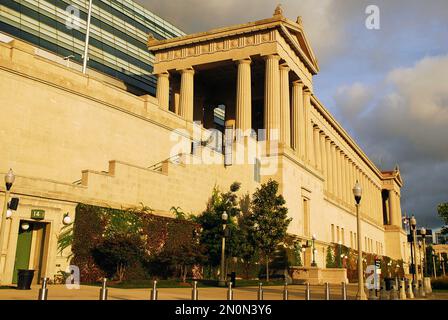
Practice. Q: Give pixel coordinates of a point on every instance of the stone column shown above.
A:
(348, 180)
(244, 97)
(285, 107)
(186, 94)
(323, 156)
(340, 190)
(308, 127)
(316, 146)
(272, 98)
(334, 161)
(399, 215)
(343, 178)
(392, 208)
(297, 108)
(163, 90)
(329, 176)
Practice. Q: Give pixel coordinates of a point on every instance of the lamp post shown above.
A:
(423, 234)
(357, 193)
(313, 263)
(413, 225)
(9, 181)
(340, 254)
(222, 278)
(420, 248)
(442, 261)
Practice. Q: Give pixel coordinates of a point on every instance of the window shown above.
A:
(337, 234)
(306, 217)
(332, 233)
(342, 236)
(351, 239)
(257, 168)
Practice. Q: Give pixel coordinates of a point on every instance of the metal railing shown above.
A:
(405, 290)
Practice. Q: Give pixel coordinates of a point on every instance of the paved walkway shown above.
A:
(296, 292)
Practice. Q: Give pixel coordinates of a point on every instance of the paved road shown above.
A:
(296, 292)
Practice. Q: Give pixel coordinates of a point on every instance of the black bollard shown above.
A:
(154, 293)
(285, 292)
(260, 292)
(43, 292)
(194, 292)
(230, 292)
(327, 291)
(344, 291)
(103, 290)
(307, 292)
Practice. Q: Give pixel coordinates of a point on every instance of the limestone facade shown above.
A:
(72, 138)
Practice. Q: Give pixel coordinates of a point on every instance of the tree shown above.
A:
(211, 223)
(330, 259)
(183, 258)
(245, 249)
(115, 254)
(269, 220)
(443, 213)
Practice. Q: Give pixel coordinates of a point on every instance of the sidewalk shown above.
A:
(296, 292)
(60, 292)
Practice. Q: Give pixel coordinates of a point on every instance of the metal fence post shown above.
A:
(421, 290)
(260, 291)
(154, 293)
(103, 290)
(230, 292)
(344, 291)
(327, 291)
(410, 293)
(307, 292)
(402, 290)
(383, 291)
(194, 292)
(285, 292)
(43, 292)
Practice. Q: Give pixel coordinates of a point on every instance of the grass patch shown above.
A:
(147, 284)
(7, 287)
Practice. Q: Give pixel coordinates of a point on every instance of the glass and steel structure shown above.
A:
(118, 36)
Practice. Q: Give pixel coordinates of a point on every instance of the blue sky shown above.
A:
(388, 87)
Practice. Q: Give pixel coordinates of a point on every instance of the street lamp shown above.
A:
(413, 225)
(314, 264)
(222, 278)
(357, 193)
(9, 181)
(423, 234)
(340, 254)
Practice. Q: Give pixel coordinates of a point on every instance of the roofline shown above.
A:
(344, 134)
(270, 23)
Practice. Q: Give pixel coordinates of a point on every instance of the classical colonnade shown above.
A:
(288, 120)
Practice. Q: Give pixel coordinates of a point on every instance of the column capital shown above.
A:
(272, 56)
(164, 74)
(298, 83)
(188, 71)
(247, 60)
(307, 92)
(284, 67)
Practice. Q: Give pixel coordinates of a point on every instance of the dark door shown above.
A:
(23, 251)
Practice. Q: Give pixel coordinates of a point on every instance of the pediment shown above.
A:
(235, 37)
(297, 37)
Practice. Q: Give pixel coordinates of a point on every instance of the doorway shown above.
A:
(31, 247)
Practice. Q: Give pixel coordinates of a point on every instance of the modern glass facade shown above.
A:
(118, 37)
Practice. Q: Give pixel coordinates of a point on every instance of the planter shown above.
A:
(24, 279)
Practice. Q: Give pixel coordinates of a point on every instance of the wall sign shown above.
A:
(37, 214)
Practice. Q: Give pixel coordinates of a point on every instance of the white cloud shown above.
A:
(406, 124)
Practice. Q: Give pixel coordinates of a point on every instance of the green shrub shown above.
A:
(440, 283)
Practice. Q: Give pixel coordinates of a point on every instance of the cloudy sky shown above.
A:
(388, 87)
